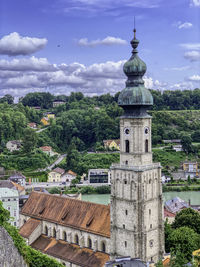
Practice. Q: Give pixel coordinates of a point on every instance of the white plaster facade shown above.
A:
(136, 195)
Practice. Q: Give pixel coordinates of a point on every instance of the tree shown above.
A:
(72, 157)
(7, 98)
(186, 143)
(29, 140)
(4, 214)
(188, 218)
(168, 231)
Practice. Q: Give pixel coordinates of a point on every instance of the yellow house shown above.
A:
(56, 175)
(45, 121)
(196, 257)
(51, 116)
(112, 144)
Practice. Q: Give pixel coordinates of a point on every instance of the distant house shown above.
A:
(13, 145)
(176, 141)
(175, 205)
(57, 103)
(99, 176)
(45, 121)
(178, 148)
(168, 215)
(50, 115)
(112, 144)
(48, 150)
(9, 195)
(32, 125)
(55, 175)
(190, 169)
(18, 178)
(69, 176)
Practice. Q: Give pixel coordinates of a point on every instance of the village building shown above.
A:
(45, 121)
(18, 178)
(9, 195)
(69, 176)
(14, 145)
(57, 103)
(99, 176)
(112, 144)
(74, 232)
(47, 150)
(32, 125)
(56, 175)
(191, 169)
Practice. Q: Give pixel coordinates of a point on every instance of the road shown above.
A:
(59, 159)
(41, 130)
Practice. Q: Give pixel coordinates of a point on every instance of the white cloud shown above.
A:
(27, 64)
(192, 55)
(195, 78)
(183, 25)
(109, 40)
(178, 68)
(14, 44)
(191, 46)
(195, 3)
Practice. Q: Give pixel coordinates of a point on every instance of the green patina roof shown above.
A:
(135, 93)
(135, 96)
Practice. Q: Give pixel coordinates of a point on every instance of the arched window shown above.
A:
(103, 247)
(89, 243)
(46, 230)
(54, 232)
(76, 240)
(64, 236)
(146, 146)
(127, 146)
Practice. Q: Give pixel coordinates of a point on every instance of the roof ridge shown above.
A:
(76, 200)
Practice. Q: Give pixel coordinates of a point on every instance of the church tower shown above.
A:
(136, 193)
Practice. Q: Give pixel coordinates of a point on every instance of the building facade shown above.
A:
(99, 176)
(136, 192)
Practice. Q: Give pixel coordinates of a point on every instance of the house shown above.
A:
(48, 150)
(57, 103)
(13, 145)
(175, 205)
(168, 215)
(45, 121)
(112, 144)
(126, 262)
(32, 125)
(49, 115)
(69, 176)
(9, 195)
(176, 141)
(178, 148)
(190, 169)
(37, 108)
(56, 175)
(75, 232)
(99, 176)
(18, 178)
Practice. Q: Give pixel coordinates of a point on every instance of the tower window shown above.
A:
(126, 162)
(46, 230)
(149, 212)
(89, 243)
(146, 146)
(76, 240)
(127, 146)
(125, 182)
(103, 247)
(151, 226)
(54, 232)
(125, 244)
(64, 236)
(126, 212)
(123, 226)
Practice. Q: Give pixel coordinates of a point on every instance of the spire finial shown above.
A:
(134, 29)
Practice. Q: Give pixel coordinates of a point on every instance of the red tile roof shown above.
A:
(168, 213)
(46, 148)
(72, 173)
(82, 215)
(83, 257)
(27, 229)
(59, 170)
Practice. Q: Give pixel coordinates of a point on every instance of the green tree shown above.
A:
(168, 231)
(29, 140)
(186, 239)
(186, 142)
(189, 218)
(4, 214)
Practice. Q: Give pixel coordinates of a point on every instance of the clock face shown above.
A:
(146, 130)
(126, 131)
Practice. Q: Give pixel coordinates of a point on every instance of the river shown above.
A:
(194, 197)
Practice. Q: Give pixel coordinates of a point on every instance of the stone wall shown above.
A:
(9, 255)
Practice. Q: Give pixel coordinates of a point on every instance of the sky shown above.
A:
(64, 46)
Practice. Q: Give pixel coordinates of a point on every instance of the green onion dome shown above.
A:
(135, 94)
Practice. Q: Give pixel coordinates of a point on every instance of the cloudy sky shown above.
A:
(81, 45)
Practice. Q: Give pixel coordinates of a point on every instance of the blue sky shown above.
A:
(81, 45)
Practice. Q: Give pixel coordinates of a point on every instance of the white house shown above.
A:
(18, 178)
(9, 195)
(13, 145)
